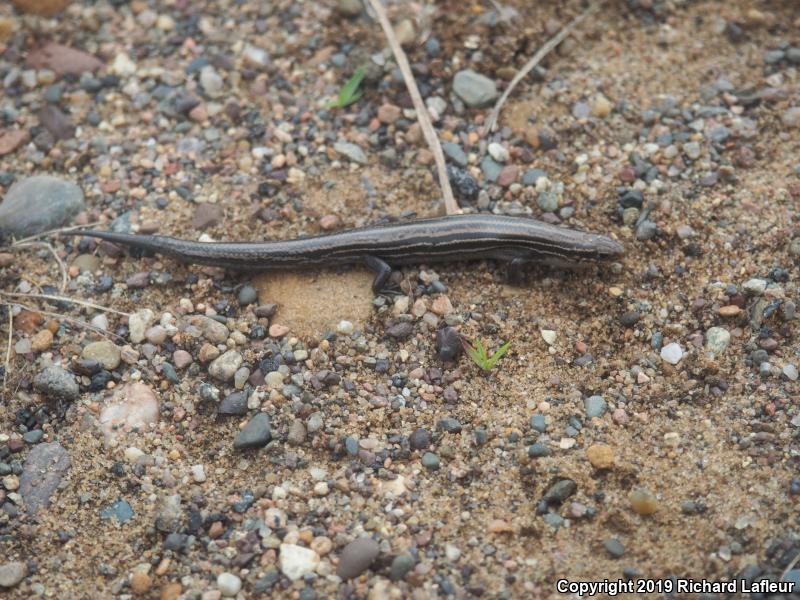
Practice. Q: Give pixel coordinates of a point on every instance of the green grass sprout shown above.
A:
(350, 91)
(477, 352)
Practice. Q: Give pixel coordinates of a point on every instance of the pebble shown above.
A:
(614, 547)
(672, 353)
(755, 286)
(430, 461)
(41, 341)
(12, 573)
(224, 367)
(207, 215)
(234, 404)
(63, 60)
(717, 339)
(791, 117)
(198, 473)
(601, 456)
(134, 406)
(349, 8)
(138, 323)
(420, 439)
(56, 383)
(560, 491)
(247, 295)
(474, 89)
(595, 406)
(351, 151)
(211, 329)
(388, 113)
(498, 152)
(211, 81)
(401, 566)
(643, 502)
(277, 330)
(357, 557)
(39, 203)
(105, 352)
(454, 152)
(256, 434)
(790, 372)
(297, 561)
(297, 433)
(141, 583)
(228, 584)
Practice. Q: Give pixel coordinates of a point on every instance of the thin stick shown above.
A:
(423, 118)
(65, 299)
(7, 366)
(76, 322)
(52, 250)
(52, 232)
(548, 47)
(789, 567)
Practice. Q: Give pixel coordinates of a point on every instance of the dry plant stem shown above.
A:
(8, 346)
(65, 299)
(53, 232)
(548, 47)
(52, 250)
(76, 322)
(419, 106)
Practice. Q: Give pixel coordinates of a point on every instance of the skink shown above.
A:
(518, 240)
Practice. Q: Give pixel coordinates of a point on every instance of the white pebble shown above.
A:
(672, 353)
(344, 327)
(498, 152)
(198, 473)
(228, 584)
(549, 336)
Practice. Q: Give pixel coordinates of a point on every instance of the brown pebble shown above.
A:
(643, 502)
(329, 222)
(11, 140)
(601, 456)
(278, 331)
(41, 8)
(729, 311)
(441, 306)
(388, 113)
(61, 59)
(216, 530)
(207, 215)
(42, 341)
(141, 583)
(6, 258)
(171, 591)
(508, 175)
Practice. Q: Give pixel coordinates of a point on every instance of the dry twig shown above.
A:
(65, 299)
(50, 232)
(548, 47)
(419, 106)
(8, 347)
(75, 322)
(61, 266)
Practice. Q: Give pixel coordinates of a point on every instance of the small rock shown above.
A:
(234, 404)
(356, 557)
(790, 372)
(138, 323)
(278, 331)
(63, 60)
(225, 366)
(401, 566)
(430, 461)
(498, 152)
(256, 434)
(38, 204)
(141, 583)
(560, 491)
(672, 353)
(755, 286)
(247, 295)
(207, 215)
(228, 584)
(473, 88)
(56, 383)
(448, 344)
(211, 329)
(643, 502)
(601, 456)
(41, 341)
(41, 475)
(388, 113)
(12, 573)
(56, 122)
(351, 151)
(297, 561)
(595, 406)
(717, 339)
(614, 548)
(104, 352)
(133, 406)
